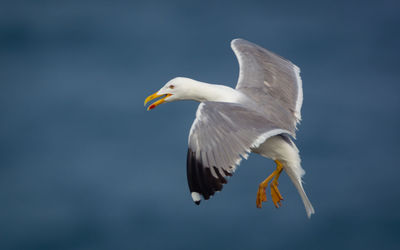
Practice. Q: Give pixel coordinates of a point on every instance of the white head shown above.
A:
(179, 88)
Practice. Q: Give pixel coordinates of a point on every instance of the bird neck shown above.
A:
(201, 92)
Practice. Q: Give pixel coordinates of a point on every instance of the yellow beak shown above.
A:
(154, 96)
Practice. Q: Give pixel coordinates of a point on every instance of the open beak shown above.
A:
(154, 96)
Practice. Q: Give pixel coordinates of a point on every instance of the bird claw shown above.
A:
(261, 196)
(276, 195)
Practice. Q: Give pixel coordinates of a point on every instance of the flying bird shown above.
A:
(258, 116)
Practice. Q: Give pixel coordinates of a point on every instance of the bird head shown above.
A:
(175, 89)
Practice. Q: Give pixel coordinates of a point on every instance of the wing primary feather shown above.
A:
(217, 185)
(221, 178)
(226, 172)
(212, 163)
(192, 174)
(200, 177)
(207, 177)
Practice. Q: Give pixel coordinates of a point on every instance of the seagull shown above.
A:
(258, 116)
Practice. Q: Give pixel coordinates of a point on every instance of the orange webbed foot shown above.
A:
(261, 196)
(276, 195)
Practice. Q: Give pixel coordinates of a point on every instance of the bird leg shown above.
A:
(275, 194)
(261, 194)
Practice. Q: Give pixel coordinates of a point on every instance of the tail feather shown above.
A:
(297, 183)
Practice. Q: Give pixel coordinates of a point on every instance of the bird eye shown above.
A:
(171, 86)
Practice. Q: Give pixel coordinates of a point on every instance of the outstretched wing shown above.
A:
(268, 78)
(221, 134)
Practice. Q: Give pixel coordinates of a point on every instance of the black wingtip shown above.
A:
(200, 178)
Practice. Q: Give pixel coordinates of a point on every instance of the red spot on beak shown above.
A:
(152, 106)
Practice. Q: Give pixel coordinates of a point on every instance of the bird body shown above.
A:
(259, 116)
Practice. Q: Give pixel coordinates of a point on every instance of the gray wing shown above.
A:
(269, 79)
(221, 134)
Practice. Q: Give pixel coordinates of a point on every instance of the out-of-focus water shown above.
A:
(84, 166)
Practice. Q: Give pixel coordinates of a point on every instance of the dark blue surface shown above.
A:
(84, 166)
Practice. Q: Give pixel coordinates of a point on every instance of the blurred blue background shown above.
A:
(84, 166)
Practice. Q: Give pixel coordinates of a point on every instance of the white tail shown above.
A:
(296, 179)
